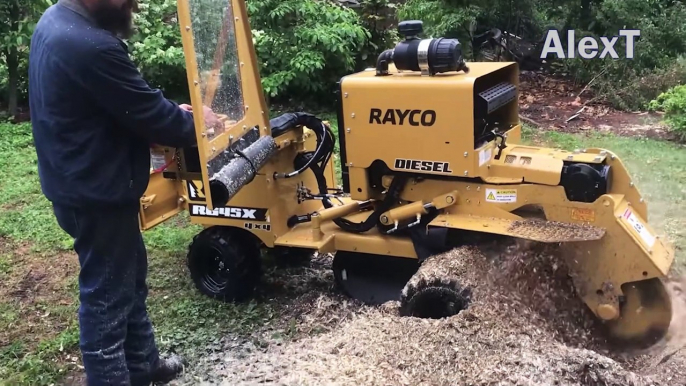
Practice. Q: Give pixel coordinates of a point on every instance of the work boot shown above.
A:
(167, 370)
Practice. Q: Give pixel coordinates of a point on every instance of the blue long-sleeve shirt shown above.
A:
(94, 117)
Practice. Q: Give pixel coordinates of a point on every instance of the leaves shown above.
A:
(304, 47)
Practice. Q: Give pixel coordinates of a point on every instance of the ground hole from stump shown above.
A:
(437, 303)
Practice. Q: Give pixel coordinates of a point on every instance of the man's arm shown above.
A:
(120, 89)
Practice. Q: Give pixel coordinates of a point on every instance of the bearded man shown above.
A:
(94, 119)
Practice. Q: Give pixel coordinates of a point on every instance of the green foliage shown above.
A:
(377, 17)
(657, 65)
(463, 19)
(17, 21)
(442, 18)
(304, 46)
(157, 48)
(673, 103)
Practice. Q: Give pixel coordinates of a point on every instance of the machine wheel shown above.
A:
(645, 315)
(225, 263)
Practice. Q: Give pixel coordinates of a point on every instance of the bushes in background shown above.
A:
(304, 47)
(673, 104)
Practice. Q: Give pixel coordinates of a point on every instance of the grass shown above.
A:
(39, 296)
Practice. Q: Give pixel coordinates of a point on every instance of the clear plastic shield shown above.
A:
(224, 81)
(216, 55)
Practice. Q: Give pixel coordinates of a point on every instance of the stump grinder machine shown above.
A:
(430, 156)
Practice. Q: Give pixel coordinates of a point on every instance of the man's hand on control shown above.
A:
(212, 122)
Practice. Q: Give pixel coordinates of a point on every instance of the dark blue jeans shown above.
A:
(116, 336)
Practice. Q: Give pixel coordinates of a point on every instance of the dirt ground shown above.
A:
(559, 105)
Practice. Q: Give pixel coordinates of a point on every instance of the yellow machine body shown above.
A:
(460, 152)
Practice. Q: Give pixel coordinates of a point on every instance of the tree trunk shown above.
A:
(13, 81)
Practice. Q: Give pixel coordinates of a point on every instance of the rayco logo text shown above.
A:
(401, 117)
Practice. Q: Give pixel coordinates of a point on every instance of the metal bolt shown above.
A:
(347, 130)
(384, 219)
(345, 95)
(612, 157)
(203, 134)
(450, 199)
(352, 115)
(466, 154)
(468, 188)
(641, 200)
(195, 82)
(188, 28)
(466, 173)
(242, 64)
(230, 138)
(214, 150)
(631, 184)
(181, 199)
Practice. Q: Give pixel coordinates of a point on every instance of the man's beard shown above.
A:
(116, 20)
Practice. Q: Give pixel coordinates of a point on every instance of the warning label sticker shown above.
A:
(639, 227)
(501, 195)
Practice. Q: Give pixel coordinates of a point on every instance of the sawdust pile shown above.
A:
(524, 326)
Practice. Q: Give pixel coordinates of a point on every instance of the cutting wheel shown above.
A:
(645, 314)
(372, 279)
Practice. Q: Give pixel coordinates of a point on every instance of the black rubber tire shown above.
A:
(225, 263)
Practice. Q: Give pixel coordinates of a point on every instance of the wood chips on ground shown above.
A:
(524, 326)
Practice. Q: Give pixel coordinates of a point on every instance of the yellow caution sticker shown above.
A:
(501, 195)
(583, 214)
